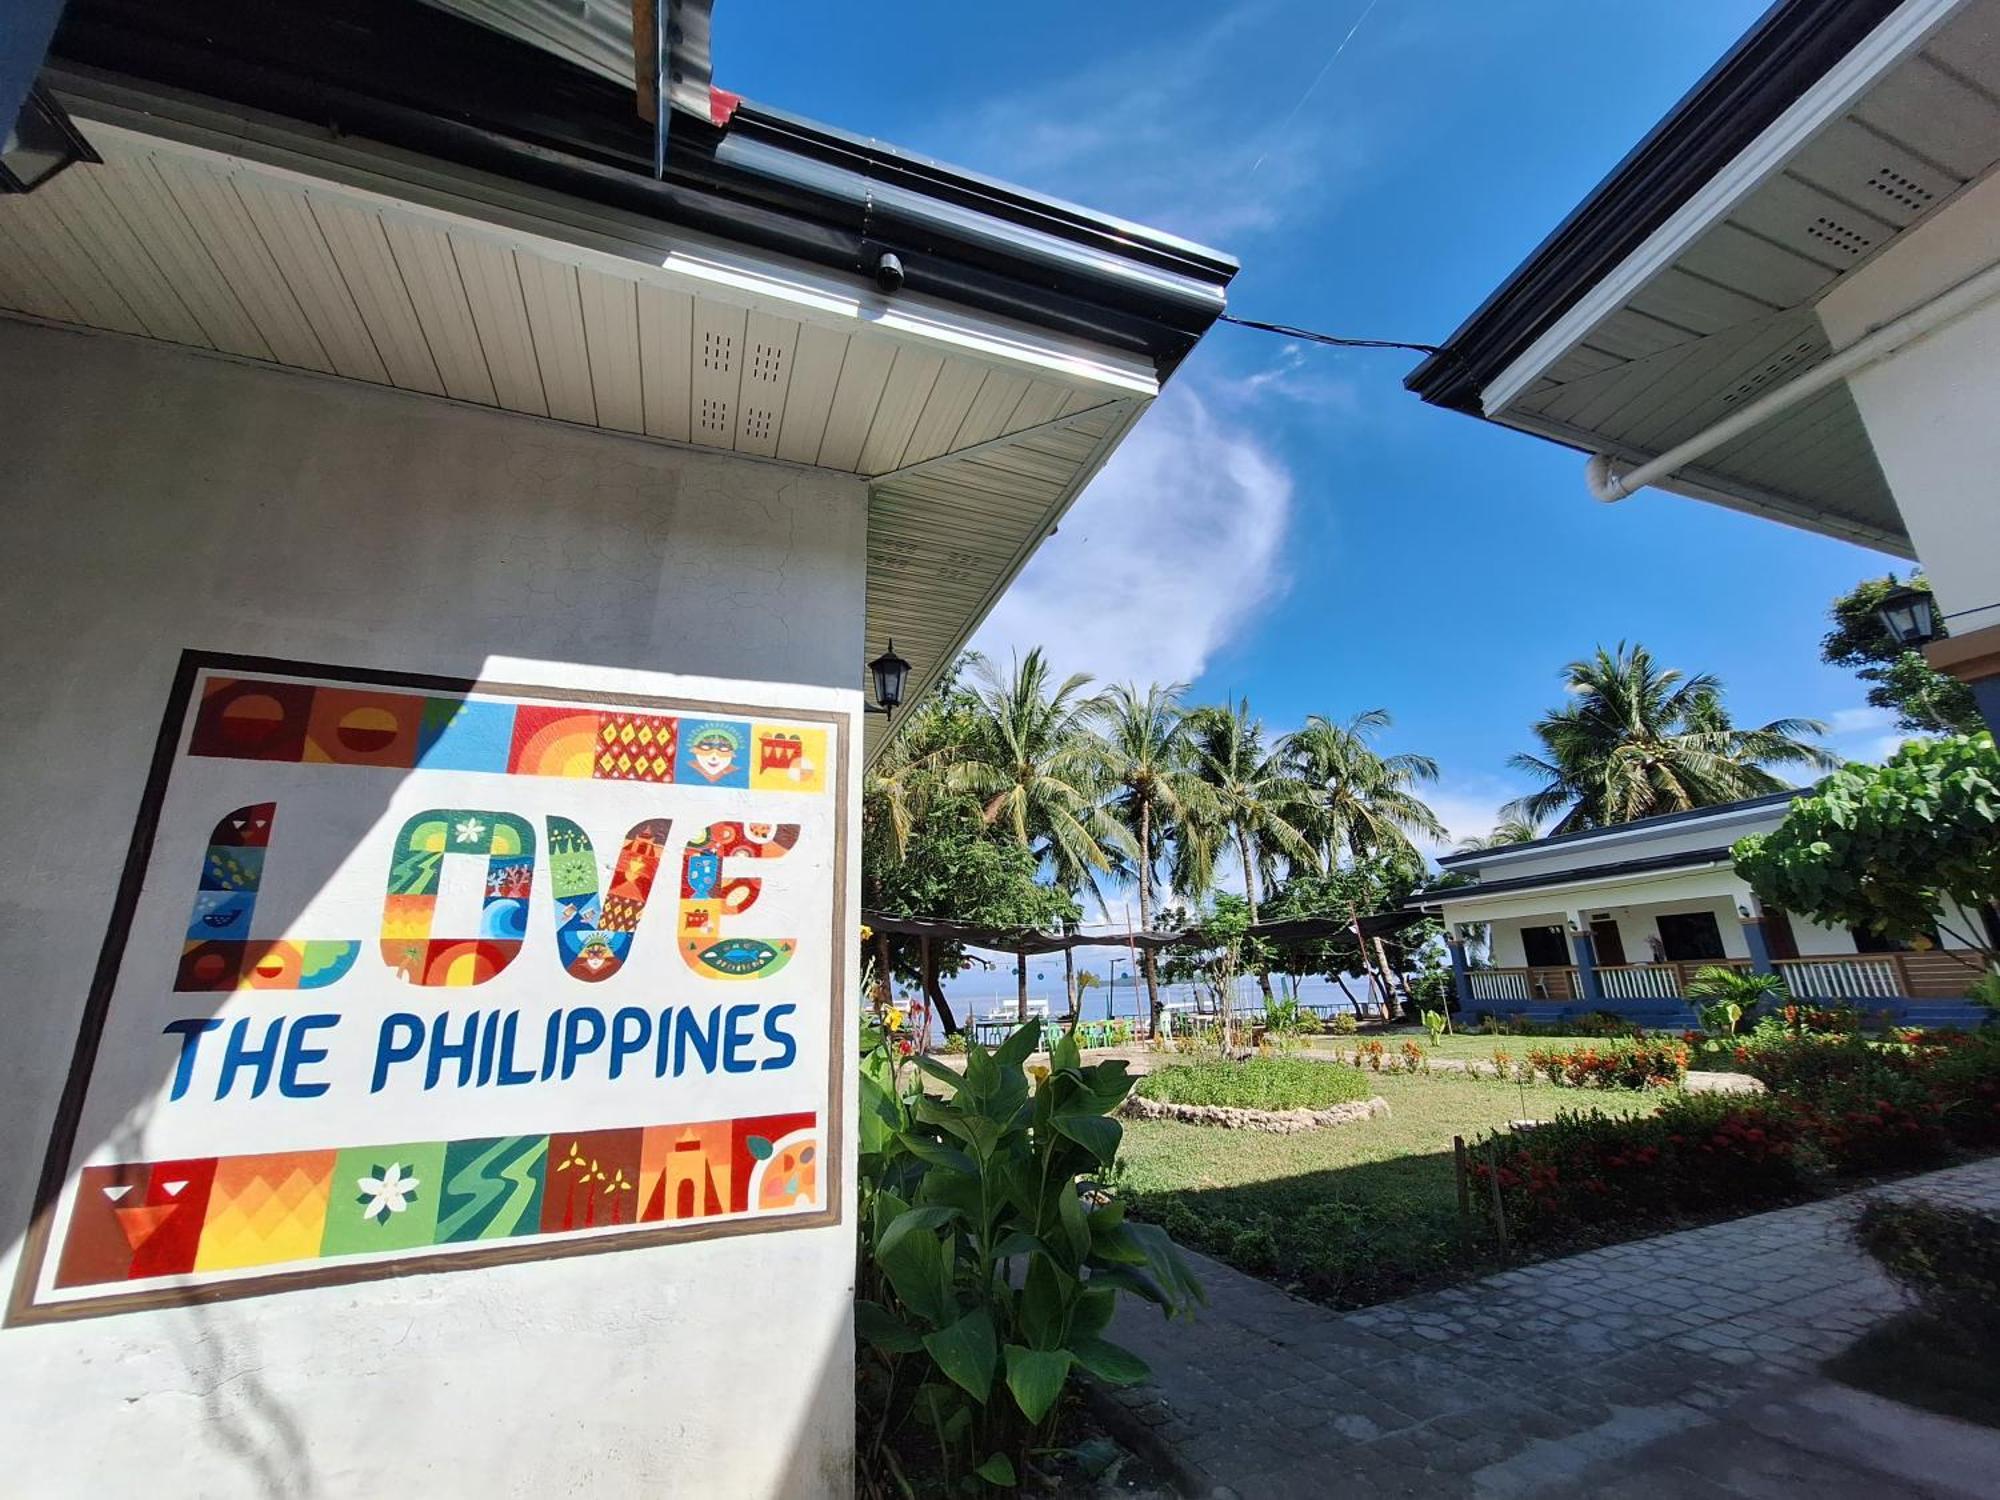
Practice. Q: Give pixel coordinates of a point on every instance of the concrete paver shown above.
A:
(1683, 1365)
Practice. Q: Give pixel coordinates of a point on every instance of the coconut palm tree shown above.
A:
(1148, 761)
(1363, 802)
(1032, 760)
(1638, 739)
(1507, 831)
(1255, 805)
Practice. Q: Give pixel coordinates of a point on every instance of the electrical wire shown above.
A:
(1285, 330)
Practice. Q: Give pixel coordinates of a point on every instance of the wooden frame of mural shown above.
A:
(250, 1111)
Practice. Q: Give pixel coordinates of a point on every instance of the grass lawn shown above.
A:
(1348, 1215)
(1460, 1046)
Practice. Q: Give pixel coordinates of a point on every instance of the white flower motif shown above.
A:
(389, 1193)
(470, 831)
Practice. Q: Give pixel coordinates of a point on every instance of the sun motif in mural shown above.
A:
(471, 831)
(387, 1192)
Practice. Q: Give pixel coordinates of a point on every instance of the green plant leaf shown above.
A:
(1076, 1228)
(950, 1077)
(1093, 1310)
(1107, 1361)
(999, 1469)
(919, 1271)
(937, 1154)
(966, 1352)
(883, 1329)
(1019, 1046)
(910, 1221)
(1043, 1292)
(1036, 1377)
(1097, 1134)
(1064, 1053)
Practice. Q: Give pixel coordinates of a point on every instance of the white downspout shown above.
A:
(1608, 484)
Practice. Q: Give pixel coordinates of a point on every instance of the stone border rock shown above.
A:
(1277, 1121)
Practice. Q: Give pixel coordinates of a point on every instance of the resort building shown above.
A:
(460, 469)
(1621, 918)
(1786, 300)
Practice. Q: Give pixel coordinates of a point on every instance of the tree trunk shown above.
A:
(940, 1007)
(1250, 896)
(1020, 986)
(1069, 982)
(1148, 962)
(885, 991)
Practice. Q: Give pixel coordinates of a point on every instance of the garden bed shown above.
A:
(1257, 1083)
(1275, 1121)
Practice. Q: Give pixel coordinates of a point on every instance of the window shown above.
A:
(1690, 936)
(1868, 940)
(1545, 947)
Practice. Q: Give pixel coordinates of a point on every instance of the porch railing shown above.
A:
(1937, 975)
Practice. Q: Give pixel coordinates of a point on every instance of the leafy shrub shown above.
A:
(1949, 1258)
(1962, 1073)
(956, 1190)
(1878, 1120)
(1699, 1153)
(1651, 1063)
(1259, 1083)
(1731, 995)
(1343, 1023)
(1804, 1063)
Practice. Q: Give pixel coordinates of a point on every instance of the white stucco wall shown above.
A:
(1930, 410)
(154, 500)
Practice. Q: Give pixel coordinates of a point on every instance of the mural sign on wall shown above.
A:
(409, 974)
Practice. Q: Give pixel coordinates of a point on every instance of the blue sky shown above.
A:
(1289, 523)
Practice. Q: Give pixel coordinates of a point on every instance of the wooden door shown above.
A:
(1608, 941)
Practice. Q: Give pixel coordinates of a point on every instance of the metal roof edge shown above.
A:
(1792, 45)
(1583, 875)
(424, 80)
(1637, 825)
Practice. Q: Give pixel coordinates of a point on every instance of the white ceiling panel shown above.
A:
(666, 322)
(770, 346)
(610, 306)
(77, 200)
(50, 248)
(358, 244)
(493, 294)
(555, 322)
(717, 372)
(437, 300)
(293, 239)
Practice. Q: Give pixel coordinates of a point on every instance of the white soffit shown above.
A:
(1764, 159)
(974, 434)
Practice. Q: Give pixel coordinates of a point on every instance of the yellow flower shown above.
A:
(893, 1019)
(1038, 1071)
(867, 932)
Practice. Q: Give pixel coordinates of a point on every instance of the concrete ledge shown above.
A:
(1277, 1121)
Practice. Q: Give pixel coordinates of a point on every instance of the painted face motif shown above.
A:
(714, 755)
(595, 955)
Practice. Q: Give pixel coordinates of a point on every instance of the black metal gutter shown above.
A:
(1658, 820)
(1793, 45)
(1681, 859)
(423, 80)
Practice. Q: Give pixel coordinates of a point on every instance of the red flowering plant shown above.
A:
(1961, 1071)
(1880, 1120)
(1655, 1062)
(1696, 1154)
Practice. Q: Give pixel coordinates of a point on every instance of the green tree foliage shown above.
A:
(1924, 699)
(1637, 739)
(1885, 846)
(1360, 888)
(1360, 801)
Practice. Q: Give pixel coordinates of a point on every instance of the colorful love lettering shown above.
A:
(219, 953)
(416, 870)
(707, 897)
(594, 929)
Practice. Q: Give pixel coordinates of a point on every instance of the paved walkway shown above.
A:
(1682, 1366)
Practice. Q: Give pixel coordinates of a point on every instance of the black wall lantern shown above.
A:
(891, 673)
(41, 144)
(1909, 615)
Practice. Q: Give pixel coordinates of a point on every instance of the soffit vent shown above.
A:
(1897, 188)
(1848, 241)
(1800, 356)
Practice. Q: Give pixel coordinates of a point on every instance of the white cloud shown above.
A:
(1162, 133)
(1864, 734)
(1172, 548)
(1468, 806)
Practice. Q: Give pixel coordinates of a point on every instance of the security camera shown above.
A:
(889, 272)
